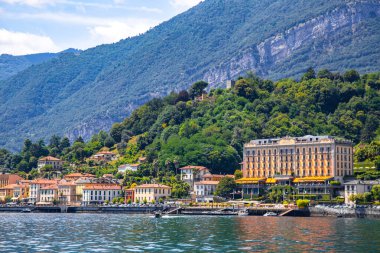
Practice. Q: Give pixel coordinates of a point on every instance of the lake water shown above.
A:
(140, 233)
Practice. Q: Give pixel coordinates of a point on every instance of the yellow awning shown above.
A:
(250, 180)
(271, 181)
(312, 179)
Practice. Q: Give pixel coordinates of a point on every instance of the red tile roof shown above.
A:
(193, 167)
(153, 186)
(207, 183)
(49, 158)
(44, 181)
(78, 175)
(102, 187)
(50, 187)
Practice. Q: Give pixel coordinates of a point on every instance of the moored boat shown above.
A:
(270, 214)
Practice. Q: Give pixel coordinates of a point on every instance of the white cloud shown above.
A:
(114, 31)
(184, 4)
(106, 30)
(18, 43)
(33, 3)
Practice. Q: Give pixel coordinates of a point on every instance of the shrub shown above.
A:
(302, 203)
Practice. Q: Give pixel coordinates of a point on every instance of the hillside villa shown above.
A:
(50, 160)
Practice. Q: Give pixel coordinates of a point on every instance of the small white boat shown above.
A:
(243, 213)
(270, 214)
(26, 210)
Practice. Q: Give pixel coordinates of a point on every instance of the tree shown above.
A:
(351, 76)
(65, 143)
(183, 96)
(310, 74)
(197, 89)
(238, 174)
(376, 192)
(79, 139)
(325, 73)
(225, 187)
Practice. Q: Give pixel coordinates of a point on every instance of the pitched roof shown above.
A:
(49, 158)
(9, 187)
(207, 183)
(50, 187)
(153, 186)
(102, 187)
(79, 175)
(10, 177)
(193, 167)
(105, 153)
(44, 181)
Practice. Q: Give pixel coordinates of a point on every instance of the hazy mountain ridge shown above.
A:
(216, 40)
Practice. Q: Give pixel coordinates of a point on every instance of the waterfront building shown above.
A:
(48, 194)
(50, 160)
(358, 186)
(7, 179)
(99, 193)
(128, 167)
(307, 156)
(80, 184)
(67, 192)
(191, 174)
(17, 192)
(150, 192)
(129, 194)
(204, 190)
(36, 185)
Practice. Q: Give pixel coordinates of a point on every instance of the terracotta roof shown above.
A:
(71, 183)
(50, 187)
(9, 187)
(105, 153)
(193, 167)
(44, 181)
(153, 186)
(207, 183)
(49, 158)
(102, 187)
(79, 175)
(10, 177)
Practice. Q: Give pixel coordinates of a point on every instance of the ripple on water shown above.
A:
(139, 233)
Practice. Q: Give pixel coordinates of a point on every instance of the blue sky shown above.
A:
(34, 26)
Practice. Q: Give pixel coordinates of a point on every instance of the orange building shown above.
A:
(317, 156)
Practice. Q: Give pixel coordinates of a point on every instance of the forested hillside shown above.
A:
(182, 129)
(11, 65)
(217, 40)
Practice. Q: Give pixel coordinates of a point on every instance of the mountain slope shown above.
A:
(216, 40)
(11, 65)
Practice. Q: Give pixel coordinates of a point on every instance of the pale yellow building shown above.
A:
(150, 192)
(298, 157)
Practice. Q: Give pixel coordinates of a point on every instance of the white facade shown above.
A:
(98, 194)
(357, 186)
(204, 190)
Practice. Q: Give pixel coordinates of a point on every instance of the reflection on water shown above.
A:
(139, 233)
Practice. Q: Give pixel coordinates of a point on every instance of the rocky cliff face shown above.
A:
(262, 57)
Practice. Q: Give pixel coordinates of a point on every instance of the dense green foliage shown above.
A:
(176, 131)
(225, 187)
(82, 94)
